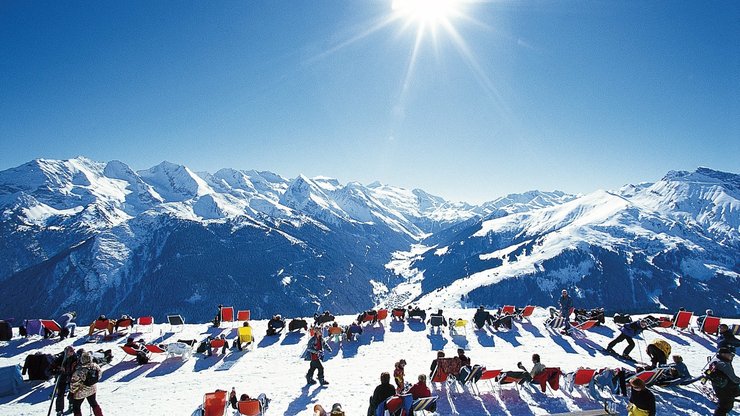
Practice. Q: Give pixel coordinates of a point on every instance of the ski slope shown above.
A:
(173, 387)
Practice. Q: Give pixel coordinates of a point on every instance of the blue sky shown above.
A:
(576, 95)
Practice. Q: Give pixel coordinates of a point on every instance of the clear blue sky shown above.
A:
(575, 95)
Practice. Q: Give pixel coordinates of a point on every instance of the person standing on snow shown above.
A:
(315, 348)
(725, 383)
(566, 303)
(82, 387)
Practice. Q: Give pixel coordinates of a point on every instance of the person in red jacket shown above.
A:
(315, 348)
(420, 389)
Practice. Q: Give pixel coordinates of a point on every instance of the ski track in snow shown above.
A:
(273, 367)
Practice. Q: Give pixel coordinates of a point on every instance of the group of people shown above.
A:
(78, 372)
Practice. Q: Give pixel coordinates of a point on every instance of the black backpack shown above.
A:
(92, 376)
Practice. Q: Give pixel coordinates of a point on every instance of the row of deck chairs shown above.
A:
(407, 405)
(710, 324)
(216, 404)
(228, 316)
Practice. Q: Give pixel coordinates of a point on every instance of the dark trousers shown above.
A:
(724, 405)
(620, 338)
(657, 357)
(61, 389)
(77, 406)
(315, 365)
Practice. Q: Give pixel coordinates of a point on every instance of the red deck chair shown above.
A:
(123, 324)
(382, 314)
(243, 315)
(217, 343)
(368, 318)
(439, 375)
(582, 377)
(549, 376)
(527, 312)
(399, 313)
(227, 314)
(144, 322)
(649, 376)
(709, 326)
(51, 325)
(584, 326)
(508, 310)
(249, 408)
(683, 319)
(98, 326)
(154, 349)
(214, 404)
(664, 322)
(128, 350)
(491, 376)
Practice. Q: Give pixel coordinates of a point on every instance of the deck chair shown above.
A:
(176, 321)
(470, 376)
(527, 312)
(214, 404)
(403, 402)
(217, 343)
(51, 325)
(550, 376)
(490, 376)
(245, 336)
(581, 377)
(508, 310)
(249, 408)
(459, 323)
(665, 322)
(130, 351)
(154, 348)
(144, 322)
(683, 320)
(555, 322)
(514, 378)
(382, 314)
(124, 324)
(243, 315)
(424, 404)
(101, 326)
(710, 325)
(335, 333)
(580, 329)
(437, 321)
(180, 349)
(735, 329)
(649, 376)
(227, 314)
(399, 313)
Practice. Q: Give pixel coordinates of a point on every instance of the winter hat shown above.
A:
(86, 358)
(724, 350)
(337, 407)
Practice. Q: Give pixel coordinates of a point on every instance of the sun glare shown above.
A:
(427, 12)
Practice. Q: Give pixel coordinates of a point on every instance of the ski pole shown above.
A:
(56, 383)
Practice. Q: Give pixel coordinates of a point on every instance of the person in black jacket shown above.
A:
(725, 383)
(726, 338)
(641, 398)
(433, 367)
(482, 317)
(66, 363)
(628, 332)
(382, 392)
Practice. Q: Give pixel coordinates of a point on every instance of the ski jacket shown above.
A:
(723, 377)
(316, 347)
(642, 402)
(632, 329)
(662, 345)
(381, 394)
(566, 302)
(481, 317)
(65, 319)
(419, 390)
(727, 339)
(77, 386)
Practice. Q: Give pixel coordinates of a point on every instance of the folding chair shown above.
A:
(249, 408)
(550, 376)
(123, 324)
(436, 321)
(335, 333)
(101, 325)
(664, 322)
(399, 313)
(511, 377)
(488, 375)
(469, 376)
(175, 321)
(217, 343)
(227, 314)
(403, 402)
(382, 315)
(245, 336)
(710, 325)
(243, 315)
(51, 325)
(508, 310)
(460, 323)
(214, 404)
(735, 329)
(155, 349)
(145, 322)
(555, 322)
(581, 377)
(649, 376)
(683, 320)
(527, 312)
(130, 351)
(425, 404)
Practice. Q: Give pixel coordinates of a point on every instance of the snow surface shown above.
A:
(172, 387)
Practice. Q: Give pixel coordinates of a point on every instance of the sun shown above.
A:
(427, 12)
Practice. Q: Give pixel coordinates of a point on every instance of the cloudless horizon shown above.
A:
(469, 103)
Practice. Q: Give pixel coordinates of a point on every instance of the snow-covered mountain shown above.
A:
(101, 237)
(666, 244)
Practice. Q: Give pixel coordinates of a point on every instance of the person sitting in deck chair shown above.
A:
(726, 338)
(433, 367)
(382, 392)
(464, 359)
(437, 319)
(353, 331)
(324, 318)
(420, 389)
(537, 368)
(365, 316)
(275, 325)
(238, 341)
(296, 324)
(399, 314)
(700, 319)
(416, 312)
(482, 317)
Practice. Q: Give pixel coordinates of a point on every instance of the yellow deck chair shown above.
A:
(245, 336)
(460, 323)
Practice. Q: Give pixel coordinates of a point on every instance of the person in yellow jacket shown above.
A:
(659, 351)
(642, 400)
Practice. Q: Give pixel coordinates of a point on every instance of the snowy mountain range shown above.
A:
(103, 238)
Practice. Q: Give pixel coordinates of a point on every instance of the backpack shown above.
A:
(92, 376)
(141, 358)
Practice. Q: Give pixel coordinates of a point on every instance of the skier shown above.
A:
(66, 362)
(628, 332)
(727, 338)
(83, 387)
(315, 348)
